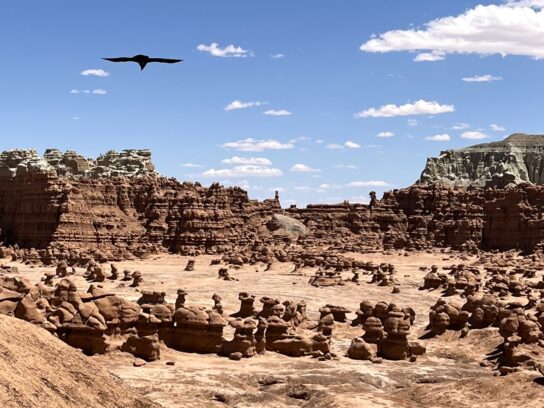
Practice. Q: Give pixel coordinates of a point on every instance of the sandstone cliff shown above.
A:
(65, 204)
(117, 202)
(517, 159)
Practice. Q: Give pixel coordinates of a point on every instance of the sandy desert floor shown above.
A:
(448, 375)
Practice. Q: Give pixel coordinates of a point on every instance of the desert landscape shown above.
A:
(429, 296)
(250, 204)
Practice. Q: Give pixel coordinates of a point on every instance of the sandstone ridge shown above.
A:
(514, 160)
(39, 370)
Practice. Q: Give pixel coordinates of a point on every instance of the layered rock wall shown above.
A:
(517, 159)
(41, 206)
(69, 200)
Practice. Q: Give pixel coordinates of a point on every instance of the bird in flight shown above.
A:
(143, 60)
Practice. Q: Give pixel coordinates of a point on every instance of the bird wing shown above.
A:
(165, 60)
(119, 59)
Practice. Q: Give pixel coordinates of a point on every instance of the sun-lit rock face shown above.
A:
(517, 159)
(128, 163)
(116, 201)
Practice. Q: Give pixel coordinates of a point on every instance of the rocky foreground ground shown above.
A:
(458, 368)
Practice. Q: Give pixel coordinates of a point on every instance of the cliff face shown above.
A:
(116, 202)
(517, 159)
(427, 216)
(66, 203)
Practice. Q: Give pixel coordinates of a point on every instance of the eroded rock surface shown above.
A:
(514, 160)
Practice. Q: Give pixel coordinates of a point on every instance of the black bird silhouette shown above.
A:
(143, 60)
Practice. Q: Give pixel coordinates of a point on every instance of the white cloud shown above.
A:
(482, 78)
(192, 165)
(386, 134)
(243, 171)
(412, 122)
(257, 145)
(430, 56)
(95, 72)
(420, 107)
(302, 168)
(280, 112)
(439, 138)
(277, 56)
(258, 161)
(508, 29)
(86, 91)
(345, 166)
(237, 104)
(335, 146)
(527, 3)
(371, 183)
(352, 145)
(473, 135)
(460, 126)
(228, 51)
(348, 144)
(497, 128)
(329, 186)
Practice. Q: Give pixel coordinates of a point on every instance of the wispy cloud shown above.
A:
(430, 56)
(460, 126)
(386, 134)
(371, 183)
(229, 51)
(259, 161)
(420, 107)
(345, 166)
(280, 112)
(192, 165)
(482, 78)
(257, 145)
(277, 56)
(326, 186)
(237, 104)
(302, 168)
(497, 128)
(98, 91)
(243, 171)
(95, 72)
(439, 138)
(347, 145)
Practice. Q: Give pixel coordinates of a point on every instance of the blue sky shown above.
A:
(322, 71)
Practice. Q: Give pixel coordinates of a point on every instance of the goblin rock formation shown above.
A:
(517, 159)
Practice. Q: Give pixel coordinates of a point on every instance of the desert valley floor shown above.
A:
(453, 372)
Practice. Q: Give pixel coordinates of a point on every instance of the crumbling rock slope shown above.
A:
(38, 370)
(517, 159)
